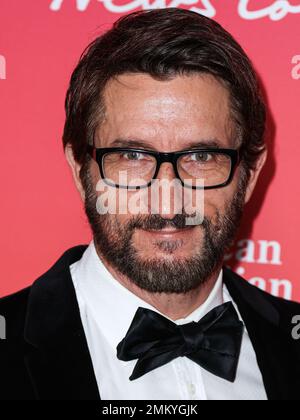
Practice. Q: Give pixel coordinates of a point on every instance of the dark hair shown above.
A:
(165, 43)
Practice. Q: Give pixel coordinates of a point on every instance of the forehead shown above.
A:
(165, 114)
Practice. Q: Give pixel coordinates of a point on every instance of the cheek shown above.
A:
(216, 201)
(94, 173)
(123, 219)
(120, 204)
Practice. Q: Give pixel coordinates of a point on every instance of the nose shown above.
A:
(170, 192)
(166, 171)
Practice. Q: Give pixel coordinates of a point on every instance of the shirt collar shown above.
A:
(112, 306)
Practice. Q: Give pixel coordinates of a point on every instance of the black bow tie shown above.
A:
(214, 342)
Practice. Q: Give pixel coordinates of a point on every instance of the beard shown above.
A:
(114, 242)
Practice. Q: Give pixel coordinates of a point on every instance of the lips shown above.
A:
(170, 231)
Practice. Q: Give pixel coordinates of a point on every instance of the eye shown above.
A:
(132, 155)
(201, 157)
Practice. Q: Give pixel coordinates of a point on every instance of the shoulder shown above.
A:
(14, 379)
(256, 297)
(289, 310)
(13, 310)
(15, 299)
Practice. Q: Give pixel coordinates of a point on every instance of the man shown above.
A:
(147, 310)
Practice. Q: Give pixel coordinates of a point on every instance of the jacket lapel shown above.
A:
(270, 333)
(57, 355)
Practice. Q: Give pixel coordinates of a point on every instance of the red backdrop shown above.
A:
(41, 213)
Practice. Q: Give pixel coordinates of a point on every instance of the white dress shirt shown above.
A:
(107, 309)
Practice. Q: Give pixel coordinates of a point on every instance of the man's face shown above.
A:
(157, 252)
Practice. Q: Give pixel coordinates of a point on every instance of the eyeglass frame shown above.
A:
(172, 157)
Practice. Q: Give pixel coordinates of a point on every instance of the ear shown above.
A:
(75, 168)
(254, 176)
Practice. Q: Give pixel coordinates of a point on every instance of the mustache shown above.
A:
(157, 222)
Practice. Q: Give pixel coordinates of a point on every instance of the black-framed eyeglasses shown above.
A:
(137, 168)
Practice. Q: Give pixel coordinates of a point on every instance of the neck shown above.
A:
(174, 306)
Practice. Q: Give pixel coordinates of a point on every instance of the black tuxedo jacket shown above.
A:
(45, 355)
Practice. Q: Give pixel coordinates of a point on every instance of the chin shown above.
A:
(166, 251)
(167, 246)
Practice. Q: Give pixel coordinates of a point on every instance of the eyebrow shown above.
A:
(128, 143)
